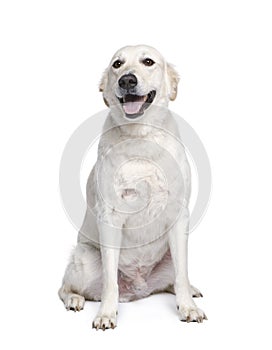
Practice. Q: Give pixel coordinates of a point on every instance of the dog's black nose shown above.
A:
(128, 81)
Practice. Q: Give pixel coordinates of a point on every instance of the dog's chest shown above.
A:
(136, 175)
(139, 183)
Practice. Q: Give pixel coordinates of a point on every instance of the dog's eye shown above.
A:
(148, 62)
(117, 64)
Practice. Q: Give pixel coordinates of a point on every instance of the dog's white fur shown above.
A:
(117, 257)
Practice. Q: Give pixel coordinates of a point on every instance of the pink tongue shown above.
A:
(132, 107)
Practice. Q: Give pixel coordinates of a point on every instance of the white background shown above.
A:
(52, 57)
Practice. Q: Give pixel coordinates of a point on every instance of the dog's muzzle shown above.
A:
(134, 105)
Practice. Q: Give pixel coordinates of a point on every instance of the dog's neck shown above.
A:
(156, 117)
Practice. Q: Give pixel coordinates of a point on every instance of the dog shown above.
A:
(133, 241)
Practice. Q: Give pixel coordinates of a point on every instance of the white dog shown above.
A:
(133, 241)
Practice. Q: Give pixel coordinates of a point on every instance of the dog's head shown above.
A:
(137, 78)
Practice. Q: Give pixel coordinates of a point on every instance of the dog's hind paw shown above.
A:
(74, 302)
(196, 292)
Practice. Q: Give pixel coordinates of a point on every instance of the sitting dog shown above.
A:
(133, 241)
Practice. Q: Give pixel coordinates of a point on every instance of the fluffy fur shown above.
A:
(133, 241)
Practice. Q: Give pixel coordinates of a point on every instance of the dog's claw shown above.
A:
(200, 319)
(95, 326)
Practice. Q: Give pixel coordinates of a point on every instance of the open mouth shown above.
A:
(135, 105)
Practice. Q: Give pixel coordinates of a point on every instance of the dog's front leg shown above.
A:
(110, 239)
(178, 241)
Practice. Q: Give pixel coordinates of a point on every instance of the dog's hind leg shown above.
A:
(83, 277)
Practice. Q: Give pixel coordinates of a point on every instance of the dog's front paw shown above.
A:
(105, 321)
(191, 314)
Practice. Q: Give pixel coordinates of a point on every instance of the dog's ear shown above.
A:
(102, 85)
(103, 81)
(173, 80)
